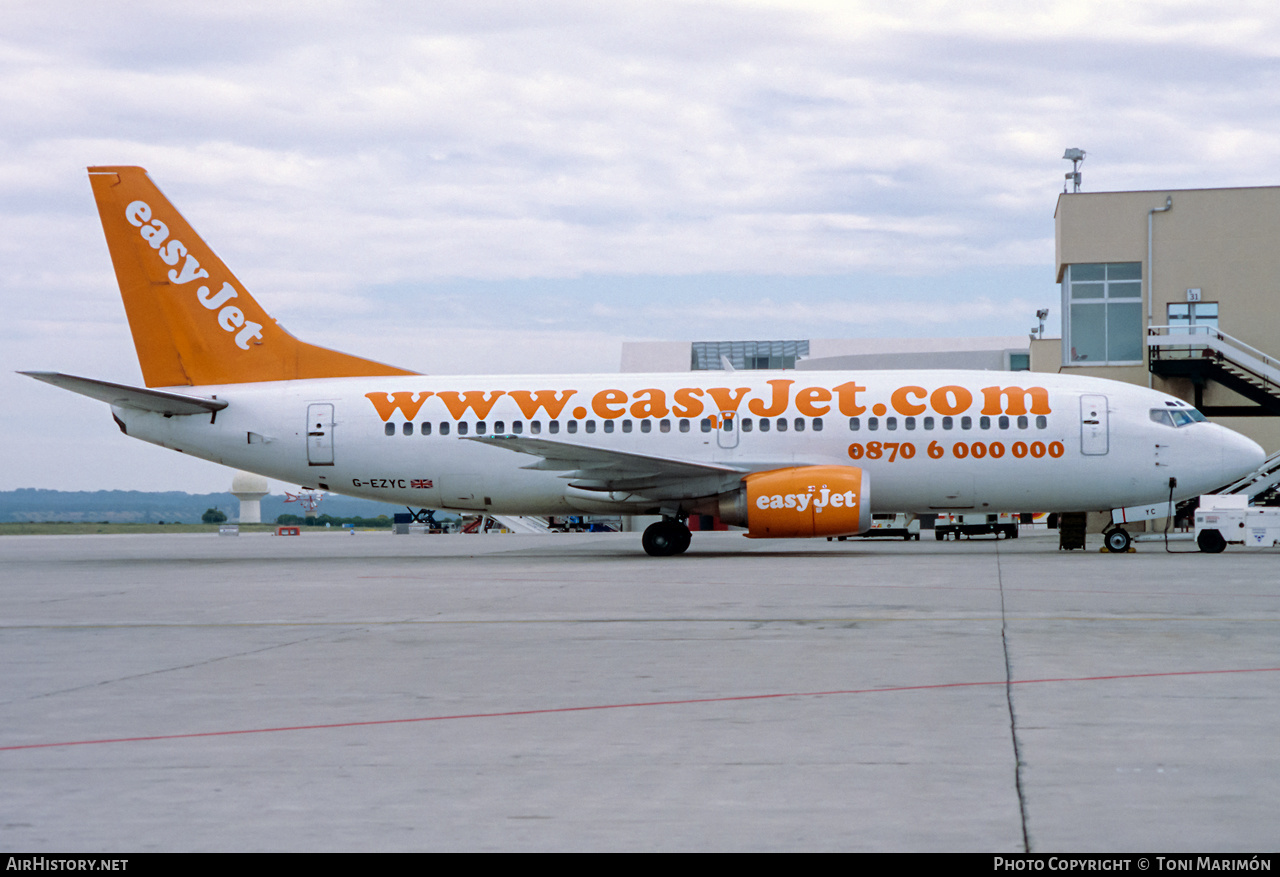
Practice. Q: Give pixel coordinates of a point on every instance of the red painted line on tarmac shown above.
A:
(619, 706)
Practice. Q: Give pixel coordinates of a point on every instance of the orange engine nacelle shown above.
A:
(801, 502)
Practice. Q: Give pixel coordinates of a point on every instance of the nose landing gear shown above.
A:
(1117, 540)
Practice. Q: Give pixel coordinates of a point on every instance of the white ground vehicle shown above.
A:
(955, 526)
(1223, 519)
(899, 526)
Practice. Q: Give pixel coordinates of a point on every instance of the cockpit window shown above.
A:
(1176, 416)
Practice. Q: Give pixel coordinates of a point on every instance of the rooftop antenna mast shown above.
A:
(1041, 315)
(1076, 157)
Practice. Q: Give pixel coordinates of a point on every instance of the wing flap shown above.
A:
(606, 469)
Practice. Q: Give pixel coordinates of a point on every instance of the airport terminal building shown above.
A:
(1177, 289)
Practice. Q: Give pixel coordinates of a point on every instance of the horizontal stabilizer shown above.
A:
(131, 397)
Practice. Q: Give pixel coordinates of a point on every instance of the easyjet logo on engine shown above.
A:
(800, 501)
(171, 251)
(776, 401)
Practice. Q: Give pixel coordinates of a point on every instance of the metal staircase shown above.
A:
(1202, 354)
(1261, 484)
(523, 523)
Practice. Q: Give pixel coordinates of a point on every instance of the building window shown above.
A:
(1103, 304)
(711, 355)
(1198, 317)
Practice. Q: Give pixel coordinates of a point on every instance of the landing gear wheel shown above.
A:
(1211, 542)
(1117, 540)
(665, 538)
(683, 538)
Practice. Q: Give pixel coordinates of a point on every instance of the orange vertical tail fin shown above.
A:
(193, 323)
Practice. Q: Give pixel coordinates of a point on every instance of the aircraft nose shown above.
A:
(1240, 454)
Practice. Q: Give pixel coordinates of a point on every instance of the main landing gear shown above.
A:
(666, 537)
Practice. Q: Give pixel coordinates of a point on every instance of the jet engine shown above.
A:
(800, 502)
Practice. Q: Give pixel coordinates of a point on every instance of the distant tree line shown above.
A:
(332, 521)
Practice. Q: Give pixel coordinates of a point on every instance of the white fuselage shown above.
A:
(930, 440)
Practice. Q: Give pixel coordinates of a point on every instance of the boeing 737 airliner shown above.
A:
(781, 453)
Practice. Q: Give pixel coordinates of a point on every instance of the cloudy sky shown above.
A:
(511, 186)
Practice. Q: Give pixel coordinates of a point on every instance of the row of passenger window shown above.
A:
(444, 427)
(965, 422)
(747, 424)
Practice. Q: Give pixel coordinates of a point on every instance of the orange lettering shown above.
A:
(900, 403)
(848, 399)
(726, 399)
(473, 399)
(652, 404)
(685, 405)
(943, 404)
(781, 398)
(548, 399)
(1016, 400)
(407, 402)
(601, 401)
(805, 399)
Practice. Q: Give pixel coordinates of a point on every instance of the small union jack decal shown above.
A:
(420, 482)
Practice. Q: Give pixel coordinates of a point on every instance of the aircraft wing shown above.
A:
(605, 469)
(124, 396)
